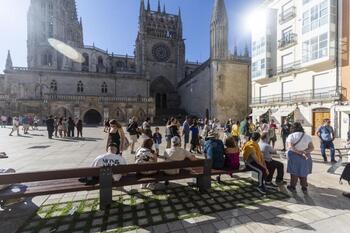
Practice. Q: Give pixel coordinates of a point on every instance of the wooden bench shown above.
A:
(64, 181)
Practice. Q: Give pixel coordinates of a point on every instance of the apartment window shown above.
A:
(323, 45)
(315, 48)
(262, 63)
(316, 17)
(287, 61)
(305, 1)
(306, 51)
(324, 12)
(286, 33)
(306, 22)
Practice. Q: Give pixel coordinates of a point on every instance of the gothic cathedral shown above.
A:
(156, 81)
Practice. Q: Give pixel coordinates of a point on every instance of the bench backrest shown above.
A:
(95, 171)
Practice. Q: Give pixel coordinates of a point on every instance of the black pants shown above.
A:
(70, 131)
(284, 138)
(50, 133)
(253, 166)
(272, 166)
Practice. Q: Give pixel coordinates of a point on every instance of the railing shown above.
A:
(287, 15)
(289, 67)
(100, 98)
(288, 41)
(126, 70)
(301, 96)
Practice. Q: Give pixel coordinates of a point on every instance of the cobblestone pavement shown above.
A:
(324, 209)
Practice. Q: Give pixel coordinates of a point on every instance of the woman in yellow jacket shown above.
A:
(254, 160)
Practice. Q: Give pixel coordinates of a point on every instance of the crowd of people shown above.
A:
(64, 127)
(254, 142)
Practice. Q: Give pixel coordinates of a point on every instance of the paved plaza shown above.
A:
(231, 206)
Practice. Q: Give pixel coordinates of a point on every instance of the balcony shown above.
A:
(288, 41)
(82, 98)
(289, 67)
(287, 15)
(312, 95)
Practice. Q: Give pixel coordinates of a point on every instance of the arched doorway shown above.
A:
(92, 117)
(160, 89)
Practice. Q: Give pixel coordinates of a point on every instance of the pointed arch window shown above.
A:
(53, 86)
(80, 87)
(104, 88)
(46, 59)
(100, 61)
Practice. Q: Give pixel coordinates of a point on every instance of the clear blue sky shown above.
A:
(113, 24)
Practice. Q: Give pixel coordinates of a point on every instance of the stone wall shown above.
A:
(230, 90)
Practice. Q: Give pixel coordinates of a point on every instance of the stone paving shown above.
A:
(324, 209)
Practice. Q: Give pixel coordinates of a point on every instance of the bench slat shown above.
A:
(13, 178)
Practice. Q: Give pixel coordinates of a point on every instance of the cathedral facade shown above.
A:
(105, 85)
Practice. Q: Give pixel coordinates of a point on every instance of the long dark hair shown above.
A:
(297, 127)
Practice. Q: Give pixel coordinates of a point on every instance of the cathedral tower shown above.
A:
(219, 31)
(160, 53)
(52, 19)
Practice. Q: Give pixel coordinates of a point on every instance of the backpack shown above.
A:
(346, 174)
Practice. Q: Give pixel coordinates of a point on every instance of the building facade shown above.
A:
(220, 87)
(105, 85)
(295, 70)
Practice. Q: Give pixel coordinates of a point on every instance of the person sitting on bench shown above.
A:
(214, 150)
(111, 158)
(145, 154)
(254, 160)
(271, 164)
(176, 153)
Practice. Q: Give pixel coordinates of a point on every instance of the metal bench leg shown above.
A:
(105, 187)
(204, 181)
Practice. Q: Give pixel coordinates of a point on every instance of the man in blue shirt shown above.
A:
(326, 135)
(214, 150)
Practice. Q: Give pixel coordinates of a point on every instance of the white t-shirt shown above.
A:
(303, 144)
(176, 154)
(109, 159)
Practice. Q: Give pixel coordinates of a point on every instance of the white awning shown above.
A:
(282, 112)
(259, 112)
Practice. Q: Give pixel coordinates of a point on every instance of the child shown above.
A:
(231, 155)
(157, 139)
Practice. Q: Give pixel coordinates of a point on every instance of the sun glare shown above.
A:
(255, 20)
(66, 50)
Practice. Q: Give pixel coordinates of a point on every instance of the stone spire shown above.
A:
(179, 22)
(8, 65)
(246, 51)
(148, 6)
(235, 50)
(164, 11)
(142, 7)
(219, 31)
(159, 9)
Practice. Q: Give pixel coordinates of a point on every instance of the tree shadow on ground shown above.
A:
(144, 208)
